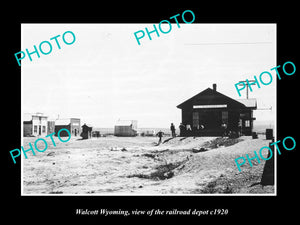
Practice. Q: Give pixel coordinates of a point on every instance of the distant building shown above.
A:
(126, 128)
(96, 133)
(72, 124)
(86, 131)
(35, 125)
(207, 112)
(147, 132)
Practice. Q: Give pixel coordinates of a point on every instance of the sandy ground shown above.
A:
(136, 165)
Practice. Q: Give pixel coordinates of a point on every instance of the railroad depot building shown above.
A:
(206, 113)
(35, 125)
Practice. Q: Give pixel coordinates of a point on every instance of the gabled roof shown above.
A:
(211, 97)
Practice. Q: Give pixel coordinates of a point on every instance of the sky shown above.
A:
(105, 75)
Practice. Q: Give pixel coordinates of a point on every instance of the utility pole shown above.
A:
(247, 84)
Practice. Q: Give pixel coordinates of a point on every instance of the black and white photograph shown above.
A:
(149, 112)
(181, 113)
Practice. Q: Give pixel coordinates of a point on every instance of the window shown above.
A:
(247, 123)
(35, 129)
(44, 129)
(245, 115)
(224, 116)
(195, 119)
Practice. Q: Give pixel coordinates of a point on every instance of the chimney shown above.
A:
(215, 87)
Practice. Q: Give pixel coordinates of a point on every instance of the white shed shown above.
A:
(126, 128)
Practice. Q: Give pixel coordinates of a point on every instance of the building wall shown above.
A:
(237, 120)
(246, 122)
(187, 115)
(124, 131)
(62, 133)
(39, 125)
(51, 127)
(27, 129)
(233, 120)
(75, 127)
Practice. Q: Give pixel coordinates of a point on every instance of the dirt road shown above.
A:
(135, 165)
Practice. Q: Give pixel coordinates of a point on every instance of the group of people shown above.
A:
(160, 133)
(184, 131)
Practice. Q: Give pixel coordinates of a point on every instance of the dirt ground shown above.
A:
(138, 166)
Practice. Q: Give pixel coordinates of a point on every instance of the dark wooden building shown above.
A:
(72, 124)
(209, 113)
(86, 131)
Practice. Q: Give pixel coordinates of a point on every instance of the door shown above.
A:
(40, 130)
(211, 119)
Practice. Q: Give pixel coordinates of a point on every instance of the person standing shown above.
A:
(182, 130)
(160, 135)
(224, 128)
(173, 130)
(188, 130)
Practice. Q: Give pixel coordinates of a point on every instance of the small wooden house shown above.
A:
(126, 128)
(86, 131)
(207, 113)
